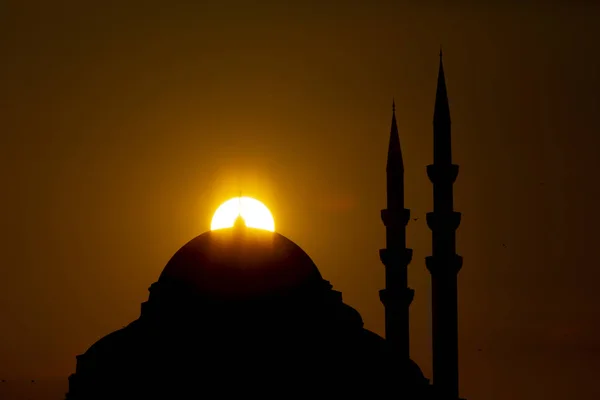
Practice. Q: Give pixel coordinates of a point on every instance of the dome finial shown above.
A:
(239, 222)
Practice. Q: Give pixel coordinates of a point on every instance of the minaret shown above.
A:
(397, 296)
(444, 263)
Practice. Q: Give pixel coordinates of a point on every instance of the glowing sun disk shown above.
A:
(254, 213)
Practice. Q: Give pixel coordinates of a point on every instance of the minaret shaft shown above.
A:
(444, 264)
(397, 296)
(445, 338)
(442, 143)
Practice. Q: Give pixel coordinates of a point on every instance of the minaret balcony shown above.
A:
(392, 258)
(443, 221)
(442, 173)
(395, 218)
(448, 264)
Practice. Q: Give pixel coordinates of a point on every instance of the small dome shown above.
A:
(240, 262)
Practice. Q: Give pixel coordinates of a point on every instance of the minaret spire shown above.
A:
(444, 264)
(397, 296)
(394, 150)
(442, 148)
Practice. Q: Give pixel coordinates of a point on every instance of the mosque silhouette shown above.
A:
(245, 312)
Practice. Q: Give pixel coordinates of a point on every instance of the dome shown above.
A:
(241, 262)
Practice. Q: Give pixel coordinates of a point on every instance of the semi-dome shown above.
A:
(240, 262)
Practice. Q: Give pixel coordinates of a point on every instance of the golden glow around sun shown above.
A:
(254, 213)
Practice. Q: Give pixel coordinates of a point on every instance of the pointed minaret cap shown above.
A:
(394, 151)
(442, 108)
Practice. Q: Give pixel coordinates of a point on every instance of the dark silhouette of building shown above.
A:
(245, 312)
(241, 312)
(444, 263)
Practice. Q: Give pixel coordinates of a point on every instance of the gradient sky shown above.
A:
(123, 127)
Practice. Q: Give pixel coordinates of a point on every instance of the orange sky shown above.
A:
(124, 126)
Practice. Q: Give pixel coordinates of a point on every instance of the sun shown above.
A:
(254, 213)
